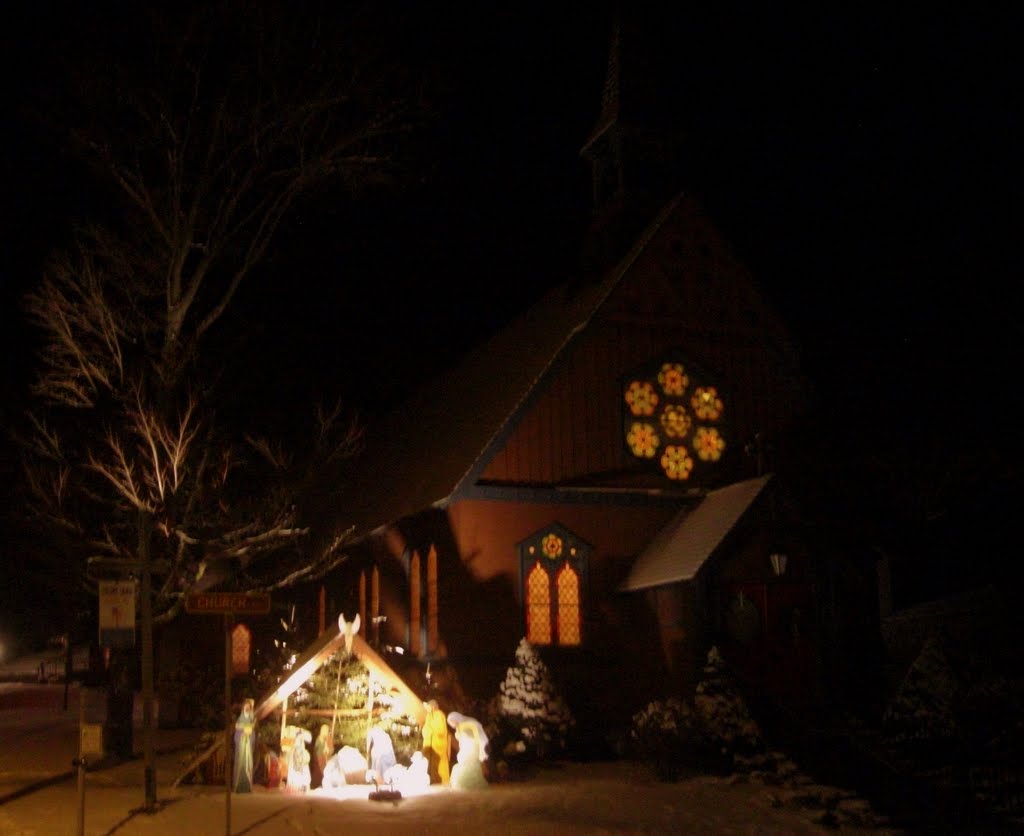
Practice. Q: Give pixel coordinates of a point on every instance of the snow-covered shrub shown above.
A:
(532, 718)
(666, 735)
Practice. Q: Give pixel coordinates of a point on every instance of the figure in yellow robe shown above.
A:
(436, 746)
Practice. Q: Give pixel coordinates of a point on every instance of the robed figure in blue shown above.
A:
(245, 734)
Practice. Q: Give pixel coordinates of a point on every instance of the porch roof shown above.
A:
(679, 550)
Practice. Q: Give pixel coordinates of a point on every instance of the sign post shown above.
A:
(117, 613)
(229, 759)
(91, 715)
(227, 604)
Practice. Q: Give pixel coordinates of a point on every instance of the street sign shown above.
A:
(225, 603)
(90, 740)
(117, 613)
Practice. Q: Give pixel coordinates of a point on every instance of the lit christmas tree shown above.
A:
(530, 707)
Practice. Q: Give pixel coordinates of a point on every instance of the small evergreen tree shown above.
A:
(533, 716)
(922, 714)
(343, 685)
(727, 726)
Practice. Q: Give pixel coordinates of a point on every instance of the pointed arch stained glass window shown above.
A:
(674, 418)
(568, 585)
(538, 606)
(553, 565)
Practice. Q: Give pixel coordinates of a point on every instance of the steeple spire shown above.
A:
(602, 148)
(611, 93)
(634, 148)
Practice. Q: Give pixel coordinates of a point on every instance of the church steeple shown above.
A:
(602, 146)
(634, 149)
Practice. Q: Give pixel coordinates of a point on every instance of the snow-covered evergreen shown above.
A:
(726, 722)
(924, 707)
(529, 703)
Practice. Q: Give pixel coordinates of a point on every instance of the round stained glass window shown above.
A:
(675, 421)
(672, 418)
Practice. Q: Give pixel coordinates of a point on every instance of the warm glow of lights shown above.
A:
(708, 444)
(707, 406)
(679, 400)
(642, 440)
(568, 583)
(674, 421)
(352, 792)
(641, 397)
(296, 679)
(554, 586)
(673, 379)
(538, 606)
(676, 462)
(552, 545)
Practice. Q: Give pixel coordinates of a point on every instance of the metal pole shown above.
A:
(80, 763)
(146, 618)
(227, 726)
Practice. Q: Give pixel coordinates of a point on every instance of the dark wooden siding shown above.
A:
(686, 291)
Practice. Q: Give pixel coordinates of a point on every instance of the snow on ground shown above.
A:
(39, 795)
(566, 799)
(26, 667)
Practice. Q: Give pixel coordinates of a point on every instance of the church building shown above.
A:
(596, 476)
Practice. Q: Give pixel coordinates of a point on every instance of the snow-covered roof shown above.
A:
(680, 549)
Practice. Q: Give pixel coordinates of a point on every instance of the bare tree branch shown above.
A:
(206, 142)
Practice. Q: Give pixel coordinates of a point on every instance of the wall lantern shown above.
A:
(779, 561)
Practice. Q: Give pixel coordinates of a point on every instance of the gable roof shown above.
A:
(420, 455)
(684, 545)
(316, 655)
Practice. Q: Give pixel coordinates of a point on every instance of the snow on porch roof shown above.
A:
(679, 550)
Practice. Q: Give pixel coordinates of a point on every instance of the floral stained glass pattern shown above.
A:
(675, 421)
(708, 444)
(641, 397)
(552, 546)
(684, 434)
(676, 462)
(707, 406)
(673, 379)
(642, 440)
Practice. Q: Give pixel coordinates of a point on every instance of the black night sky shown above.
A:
(864, 165)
